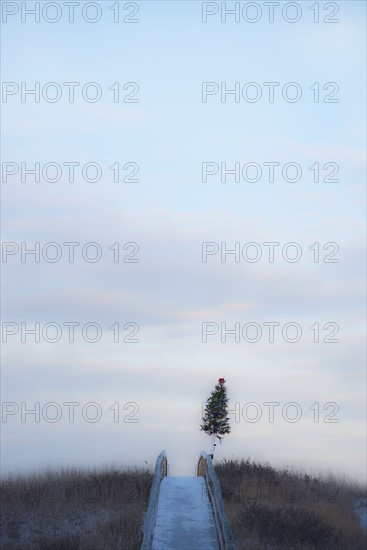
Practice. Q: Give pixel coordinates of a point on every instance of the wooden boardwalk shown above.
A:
(185, 519)
(186, 513)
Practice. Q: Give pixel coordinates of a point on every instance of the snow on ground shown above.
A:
(361, 511)
(38, 527)
(184, 517)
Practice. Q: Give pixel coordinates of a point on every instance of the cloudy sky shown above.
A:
(162, 136)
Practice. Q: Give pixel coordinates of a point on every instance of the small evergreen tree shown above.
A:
(215, 419)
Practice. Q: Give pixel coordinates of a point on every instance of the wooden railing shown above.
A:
(224, 531)
(159, 474)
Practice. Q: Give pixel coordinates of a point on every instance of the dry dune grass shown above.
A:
(75, 509)
(269, 509)
(273, 509)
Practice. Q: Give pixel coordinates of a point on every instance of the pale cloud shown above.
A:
(212, 313)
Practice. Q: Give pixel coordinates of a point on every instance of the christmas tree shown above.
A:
(215, 419)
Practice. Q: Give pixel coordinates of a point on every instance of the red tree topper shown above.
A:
(221, 380)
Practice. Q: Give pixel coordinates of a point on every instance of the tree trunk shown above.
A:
(214, 444)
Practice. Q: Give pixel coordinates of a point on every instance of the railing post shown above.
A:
(224, 531)
(161, 469)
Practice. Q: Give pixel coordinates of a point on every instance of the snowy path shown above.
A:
(185, 518)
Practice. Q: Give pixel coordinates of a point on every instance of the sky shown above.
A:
(206, 171)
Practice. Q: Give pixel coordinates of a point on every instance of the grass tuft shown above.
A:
(276, 509)
(74, 509)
